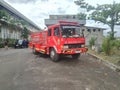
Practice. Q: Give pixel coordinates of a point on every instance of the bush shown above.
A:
(117, 44)
(107, 46)
(10, 42)
(92, 41)
(1, 43)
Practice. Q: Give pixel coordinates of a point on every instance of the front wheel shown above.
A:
(53, 55)
(76, 56)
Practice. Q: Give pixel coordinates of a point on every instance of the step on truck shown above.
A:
(64, 38)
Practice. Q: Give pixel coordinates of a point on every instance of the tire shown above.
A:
(53, 55)
(76, 56)
(34, 51)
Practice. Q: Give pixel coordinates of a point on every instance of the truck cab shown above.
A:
(65, 38)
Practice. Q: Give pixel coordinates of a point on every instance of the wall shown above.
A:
(8, 32)
(90, 32)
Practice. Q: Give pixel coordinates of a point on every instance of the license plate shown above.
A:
(77, 51)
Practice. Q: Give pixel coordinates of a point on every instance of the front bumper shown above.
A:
(74, 50)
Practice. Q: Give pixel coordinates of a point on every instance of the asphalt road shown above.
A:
(21, 70)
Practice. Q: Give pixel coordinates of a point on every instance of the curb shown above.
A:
(110, 65)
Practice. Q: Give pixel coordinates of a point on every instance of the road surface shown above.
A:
(21, 70)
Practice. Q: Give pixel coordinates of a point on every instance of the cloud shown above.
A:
(60, 10)
(38, 10)
(25, 1)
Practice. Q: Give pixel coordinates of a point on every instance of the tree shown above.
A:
(108, 14)
(84, 5)
(3, 15)
(81, 3)
(25, 33)
(81, 16)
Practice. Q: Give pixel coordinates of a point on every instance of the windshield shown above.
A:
(71, 31)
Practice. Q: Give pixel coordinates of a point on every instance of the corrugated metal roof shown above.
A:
(93, 24)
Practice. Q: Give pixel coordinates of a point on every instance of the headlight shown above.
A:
(65, 47)
(83, 45)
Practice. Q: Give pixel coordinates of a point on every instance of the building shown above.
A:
(95, 30)
(53, 19)
(12, 22)
(89, 27)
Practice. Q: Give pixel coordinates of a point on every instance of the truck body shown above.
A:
(64, 38)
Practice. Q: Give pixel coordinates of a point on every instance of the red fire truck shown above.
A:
(64, 38)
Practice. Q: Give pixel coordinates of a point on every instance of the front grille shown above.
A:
(73, 45)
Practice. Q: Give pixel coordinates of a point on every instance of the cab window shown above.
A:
(56, 31)
(49, 32)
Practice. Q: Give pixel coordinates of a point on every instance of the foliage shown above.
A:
(110, 35)
(1, 43)
(110, 46)
(108, 14)
(81, 16)
(15, 23)
(117, 44)
(92, 41)
(5, 16)
(10, 42)
(107, 46)
(3, 13)
(25, 33)
(84, 5)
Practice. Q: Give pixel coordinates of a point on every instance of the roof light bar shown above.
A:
(66, 22)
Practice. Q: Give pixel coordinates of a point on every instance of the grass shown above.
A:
(113, 58)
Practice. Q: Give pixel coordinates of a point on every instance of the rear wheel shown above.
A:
(53, 55)
(76, 56)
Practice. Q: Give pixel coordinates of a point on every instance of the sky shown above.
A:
(38, 10)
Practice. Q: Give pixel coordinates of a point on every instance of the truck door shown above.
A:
(53, 36)
(49, 39)
(56, 36)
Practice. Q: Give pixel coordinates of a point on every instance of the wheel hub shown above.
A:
(52, 54)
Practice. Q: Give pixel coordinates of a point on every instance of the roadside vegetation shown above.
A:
(10, 42)
(109, 50)
(108, 14)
